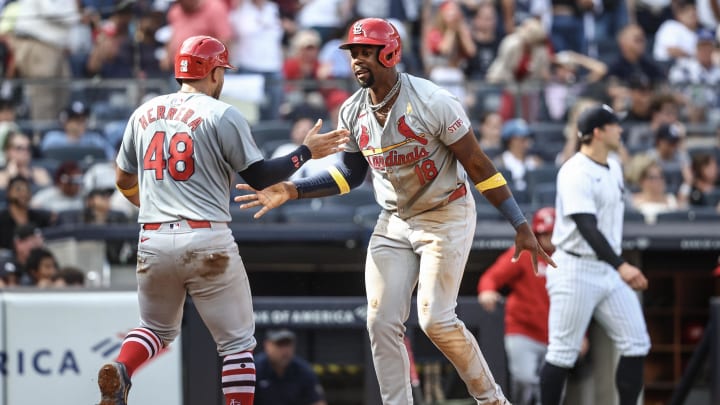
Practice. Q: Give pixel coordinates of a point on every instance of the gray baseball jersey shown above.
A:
(173, 142)
(412, 168)
(585, 186)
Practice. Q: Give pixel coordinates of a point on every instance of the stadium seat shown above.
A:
(357, 197)
(265, 131)
(246, 216)
(695, 214)
(84, 155)
(541, 175)
(634, 216)
(327, 213)
(543, 194)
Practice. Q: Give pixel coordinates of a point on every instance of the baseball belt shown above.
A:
(154, 226)
(459, 192)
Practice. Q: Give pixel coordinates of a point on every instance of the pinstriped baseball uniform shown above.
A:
(583, 287)
(185, 148)
(423, 235)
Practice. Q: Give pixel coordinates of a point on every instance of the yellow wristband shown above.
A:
(339, 180)
(494, 181)
(129, 192)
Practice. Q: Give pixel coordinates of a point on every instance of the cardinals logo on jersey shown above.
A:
(364, 137)
(407, 132)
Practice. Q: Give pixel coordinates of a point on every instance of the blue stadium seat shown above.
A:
(695, 214)
(542, 175)
(544, 194)
(84, 155)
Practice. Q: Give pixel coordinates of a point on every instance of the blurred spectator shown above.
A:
(69, 277)
(42, 267)
(567, 31)
(490, 131)
(65, 194)
(149, 49)
(324, 16)
(483, 30)
(524, 56)
(8, 115)
(699, 77)
(704, 169)
(75, 132)
(302, 64)
(649, 14)
(18, 211)
(335, 62)
(517, 141)
(448, 45)
(104, 173)
(300, 129)
(257, 49)
(39, 47)
(671, 154)
(96, 209)
(708, 13)
(188, 18)
(632, 61)
(514, 12)
(652, 197)
(677, 37)
(13, 265)
(113, 52)
(283, 378)
(571, 73)
(18, 162)
(664, 110)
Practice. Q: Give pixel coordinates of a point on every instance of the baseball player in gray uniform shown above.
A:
(176, 162)
(412, 134)
(592, 280)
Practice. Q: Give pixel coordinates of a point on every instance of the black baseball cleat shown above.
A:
(114, 384)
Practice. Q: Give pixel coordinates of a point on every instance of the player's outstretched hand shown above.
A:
(327, 143)
(525, 240)
(633, 276)
(268, 198)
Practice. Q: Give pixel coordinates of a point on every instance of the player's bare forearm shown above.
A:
(127, 184)
(479, 166)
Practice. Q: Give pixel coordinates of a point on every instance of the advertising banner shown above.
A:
(53, 343)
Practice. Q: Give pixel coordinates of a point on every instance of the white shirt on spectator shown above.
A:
(517, 168)
(689, 70)
(673, 34)
(259, 35)
(49, 21)
(51, 198)
(320, 13)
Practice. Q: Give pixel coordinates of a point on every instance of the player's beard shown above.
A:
(369, 82)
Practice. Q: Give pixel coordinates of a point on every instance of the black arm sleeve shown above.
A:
(353, 169)
(265, 173)
(587, 226)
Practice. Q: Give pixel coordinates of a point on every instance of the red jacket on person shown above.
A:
(528, 304)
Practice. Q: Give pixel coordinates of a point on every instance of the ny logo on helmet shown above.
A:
(358, 29)
(184, 65)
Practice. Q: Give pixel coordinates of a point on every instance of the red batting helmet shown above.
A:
(198, 56)
(376, 31)
(544, 220)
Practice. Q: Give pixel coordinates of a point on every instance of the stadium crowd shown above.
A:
(524, 69)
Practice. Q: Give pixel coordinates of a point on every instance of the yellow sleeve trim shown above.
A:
(494, 181)
(339, 180)
(129, 192)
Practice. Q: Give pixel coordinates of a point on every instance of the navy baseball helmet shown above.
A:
(595, 117)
